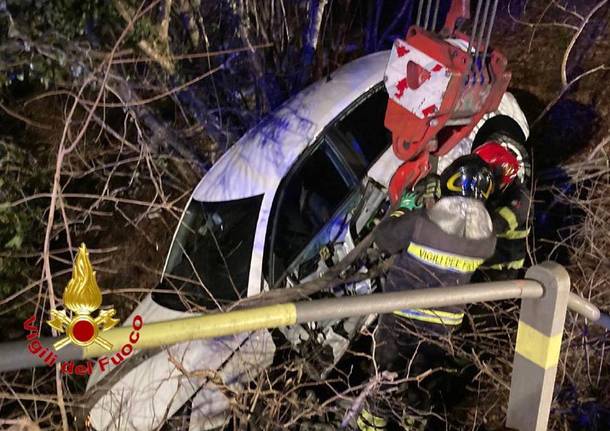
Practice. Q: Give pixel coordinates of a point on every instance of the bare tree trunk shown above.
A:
(316, 12)
(372, 25)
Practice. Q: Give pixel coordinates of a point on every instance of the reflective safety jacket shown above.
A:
(509, 218)
(439, 247)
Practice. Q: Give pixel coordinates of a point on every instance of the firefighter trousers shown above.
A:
(401, 347)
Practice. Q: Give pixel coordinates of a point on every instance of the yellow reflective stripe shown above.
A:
(452, 262)
(510, 217)
(432, 316)
(515, 264)
(542, 350)
(369, 422)
(397, 213)
(515, 234)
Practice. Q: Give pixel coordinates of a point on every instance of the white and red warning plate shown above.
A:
(415, 80)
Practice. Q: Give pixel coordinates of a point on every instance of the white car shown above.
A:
(291, 197)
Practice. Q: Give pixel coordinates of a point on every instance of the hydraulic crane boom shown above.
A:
(440, 84)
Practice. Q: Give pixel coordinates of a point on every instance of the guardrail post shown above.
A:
(537, 349)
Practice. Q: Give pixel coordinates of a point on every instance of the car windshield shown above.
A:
(209, 262)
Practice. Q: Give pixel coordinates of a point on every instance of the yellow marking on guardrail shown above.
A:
(543, 350)
(163, 333)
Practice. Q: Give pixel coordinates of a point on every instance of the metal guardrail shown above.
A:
(545, 294)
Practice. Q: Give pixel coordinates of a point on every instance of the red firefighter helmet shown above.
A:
(502, 162)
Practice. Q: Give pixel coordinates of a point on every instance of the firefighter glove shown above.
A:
(410, 201)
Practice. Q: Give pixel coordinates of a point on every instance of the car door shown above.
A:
(311, 212)
(355, 141)
(299, 248)
(310, 215)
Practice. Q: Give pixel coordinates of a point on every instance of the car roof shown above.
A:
(258, 161)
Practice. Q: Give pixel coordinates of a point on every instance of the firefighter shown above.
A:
(439, 244)
(509, 209)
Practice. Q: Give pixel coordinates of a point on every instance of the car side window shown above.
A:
(362, 132)
(307, 200)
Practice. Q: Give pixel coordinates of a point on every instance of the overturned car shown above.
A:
(290, 199)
